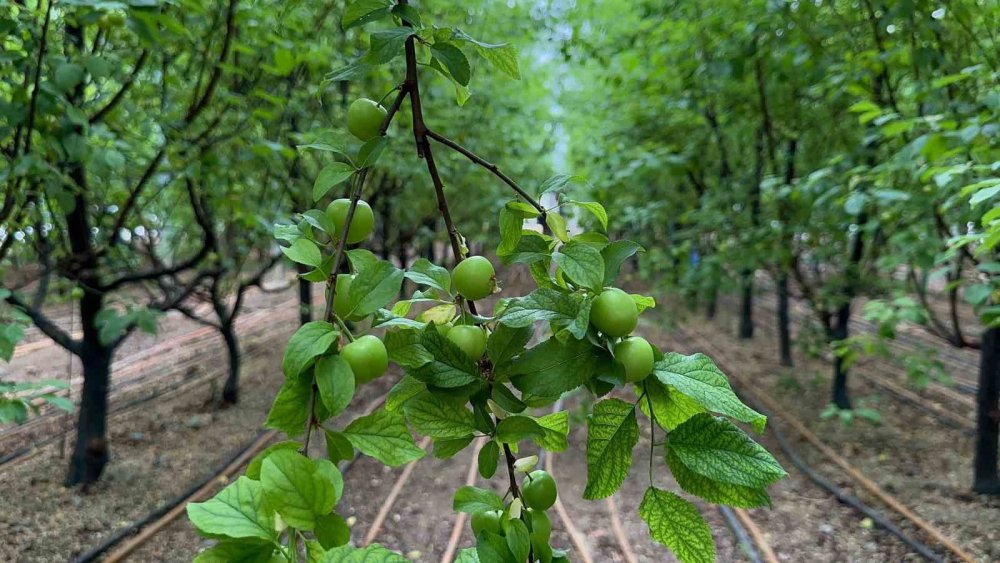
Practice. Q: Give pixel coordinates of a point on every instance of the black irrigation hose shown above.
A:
(138, 525)
(743, 540)
(845, 498)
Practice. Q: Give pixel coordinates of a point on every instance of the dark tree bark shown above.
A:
(746, 307)
(231, 389)
(987, 478)
(305, 295)
(713, 301)
(90, 454)
(784, 322)
(841, 395)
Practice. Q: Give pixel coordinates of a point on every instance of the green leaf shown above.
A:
(67, 76)
(370, 152)
(406, 389)
(553, 368)
(383, 436)
(408, 14)
(503, 57)
(309, 341)
(677, 524)
(715, 491)
(445, 449)
(518, 540)
(513, 429)
(717, 449)
(467, 555)
(454, 60)
(244, 551)
(511, 225)
(253, 468)
(643, 302)
(338, 447)
(557, 223)
(555, 427)
(238, 511)
(332, 531)
(329, 177)
(700, 379)
(296, 490)
(405, 349)
(303, 251)
(670, 407)
(615, 254)
(386, 44)
(290, 409)
(612, 432)
(595, 209)
(546, 304)
(473, 499)
(492, 548)
(361, 12)
(439, 417)
(983, 195)
(423, 272)
(489, 457)
(373, 553)
(582, 263)
(335, 381)
(373, 287)
(506, 398)
(10, 335)
(450, 366)
(506, 342)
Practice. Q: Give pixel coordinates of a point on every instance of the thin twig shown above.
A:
(488, 166)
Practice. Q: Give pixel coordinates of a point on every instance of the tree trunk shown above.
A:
(987, 479)
(841, 396)
(713, 302)
(231, 390)
(784, 324)
(746, 306)
(305, 295)
(90, 453)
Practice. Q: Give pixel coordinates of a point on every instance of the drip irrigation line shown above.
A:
(743, 540)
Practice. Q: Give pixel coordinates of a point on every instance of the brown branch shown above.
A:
(197, 105)
(488, 166)
(213, 81)
(936, 327)
(120, 94)
(48, 328)
(203, 220)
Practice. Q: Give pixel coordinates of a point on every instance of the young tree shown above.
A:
(471, 372)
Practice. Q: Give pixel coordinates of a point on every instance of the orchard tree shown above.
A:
(116, 120)
(471, 372)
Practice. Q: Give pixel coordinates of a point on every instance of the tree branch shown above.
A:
(488, 166)
(48, 328)
(203, 220)
(120, 94)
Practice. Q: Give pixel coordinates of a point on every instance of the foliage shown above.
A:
(453, 391)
